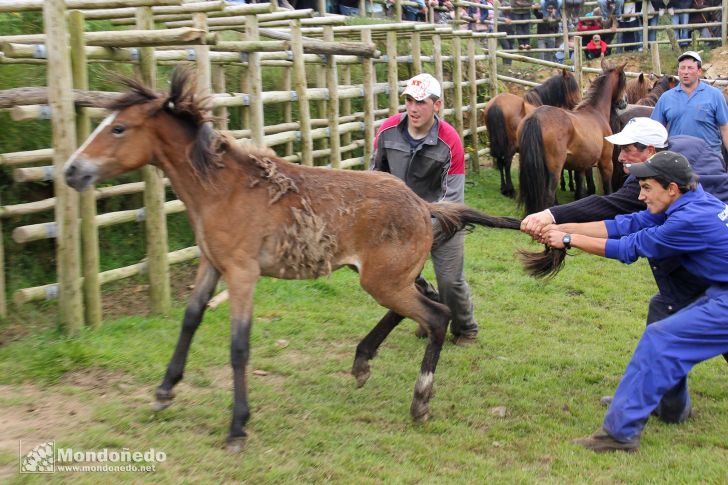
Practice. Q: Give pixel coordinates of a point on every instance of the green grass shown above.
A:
(547, 352)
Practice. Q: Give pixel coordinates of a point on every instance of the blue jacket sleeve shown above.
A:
(674, 237)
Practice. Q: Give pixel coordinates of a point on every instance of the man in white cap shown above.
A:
(694, 107)
(640, 139)
(426, 152)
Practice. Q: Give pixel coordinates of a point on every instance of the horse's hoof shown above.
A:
(235, 444)
(164, 400)
(420, 411)
(361, 372)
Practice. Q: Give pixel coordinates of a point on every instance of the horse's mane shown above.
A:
(662, 85)
(560, 90)
(184, 103)
(597, 87)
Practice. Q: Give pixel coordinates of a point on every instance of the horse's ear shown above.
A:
(642, 77)
(621, 68)
(604, 64)
(564, 73)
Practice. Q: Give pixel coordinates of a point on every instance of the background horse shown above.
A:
(637, 88)
(551, 139)
(256, 215)
(505, 111)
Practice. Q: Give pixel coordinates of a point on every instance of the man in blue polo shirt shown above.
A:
(681, 220)
(694, 107)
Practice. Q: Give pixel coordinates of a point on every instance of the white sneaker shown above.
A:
(661, 12)
(671, 11)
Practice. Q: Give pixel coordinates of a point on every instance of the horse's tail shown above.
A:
(454, 217)
(532, 173)
(544, 264)
(495, 121)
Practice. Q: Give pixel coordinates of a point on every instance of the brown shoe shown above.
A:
(601, 442)
(420, 332)
(465, 340)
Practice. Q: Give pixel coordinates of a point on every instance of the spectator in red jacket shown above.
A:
(585, 26)
(596, 47)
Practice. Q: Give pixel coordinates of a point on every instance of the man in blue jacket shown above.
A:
(684, 221)
(640, 139)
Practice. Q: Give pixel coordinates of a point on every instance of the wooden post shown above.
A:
(397, 11)
(299, 75)
(473, 95)
(363, 8)
(345, 70)
(288, 106)
(457, 77)
(368, 81)
(3, 299)
(244, 88)
(416, 53)
(724, 24)
(332, 84)
(155, 221)
(392, 72)
(437, 55)
(70, 305)
(645, 25)
(255, 85)
(492, 47)
(219, 86)
(89, 232)
(655, 51)
(565, 30)
(321, 78)
(578, 65)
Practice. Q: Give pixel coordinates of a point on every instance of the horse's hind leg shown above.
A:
(510, 191)
(428, 313)
(436, 317)
(367, 348)
(205, 282)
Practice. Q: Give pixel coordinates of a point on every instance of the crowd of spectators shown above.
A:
(516, 19)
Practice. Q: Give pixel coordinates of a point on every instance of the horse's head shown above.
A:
(129, 137)
(119, 144)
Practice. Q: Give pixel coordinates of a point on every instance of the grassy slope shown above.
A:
(547, 352)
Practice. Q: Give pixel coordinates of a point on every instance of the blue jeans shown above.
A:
(681, 19)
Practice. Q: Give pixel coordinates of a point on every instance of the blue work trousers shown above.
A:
(663, 358)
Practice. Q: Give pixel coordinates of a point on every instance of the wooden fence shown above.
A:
(287, 42)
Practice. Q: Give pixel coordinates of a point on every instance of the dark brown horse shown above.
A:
(505, 111)
(552, 139)
(256, 215)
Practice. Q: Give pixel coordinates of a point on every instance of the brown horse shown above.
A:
(637, 88)
(256, 215)
(552, 139)
(505, 111)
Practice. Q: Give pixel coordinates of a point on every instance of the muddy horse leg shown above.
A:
(241, 286)
(205, 282)
(405, 302)
(367, 348)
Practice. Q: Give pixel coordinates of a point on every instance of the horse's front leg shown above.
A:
(205, 282)
(367, 348)
(241, 287)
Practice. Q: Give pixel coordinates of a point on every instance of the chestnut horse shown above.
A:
(505, 111)
(255, 215)
(552, 139)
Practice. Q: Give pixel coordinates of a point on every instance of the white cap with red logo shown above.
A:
(422, 86)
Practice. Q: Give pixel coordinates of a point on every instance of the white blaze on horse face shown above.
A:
(106, 122)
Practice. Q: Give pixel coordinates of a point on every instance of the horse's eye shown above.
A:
(118, 129)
